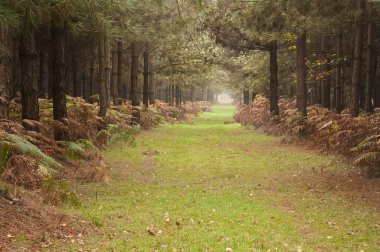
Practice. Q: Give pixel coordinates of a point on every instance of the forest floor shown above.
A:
(211, 186)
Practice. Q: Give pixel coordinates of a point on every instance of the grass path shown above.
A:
(211, 186)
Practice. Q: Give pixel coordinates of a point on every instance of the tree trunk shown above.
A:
(246, 97)
(172, 95)
(5, 75)
(369, 84)
(76, 88)
(58, 72)
(107, 70)
(376, 89)
(29, 86)
(92, 83)
(120, 70)
(301, 75)
(134, 75)
(339, 69)
(273, 87)
(177, 95)
(253, 96)
(314, 92)
(44, 72)
(152, 88)
(357, 66)
(146, 79)
(102, 79)
(326, 80)
(115, 76)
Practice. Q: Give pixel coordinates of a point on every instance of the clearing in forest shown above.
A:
(215, 187)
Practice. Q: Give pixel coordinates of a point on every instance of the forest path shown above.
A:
(211, 186)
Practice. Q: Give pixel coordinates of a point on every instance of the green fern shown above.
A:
(369, 142)
(86, 144)
(368, 157)
(123, 136)
(72, 150)
(30, 149)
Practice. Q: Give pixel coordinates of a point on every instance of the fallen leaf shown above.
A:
(150, 231)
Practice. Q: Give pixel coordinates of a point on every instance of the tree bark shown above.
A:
(369, 84)
(134, 74)
(339, 69)
(29, 86)
(301, 75)
(76, 85)
(107, 70)
(273, 87)
(376, 88)
(246, 97)
(357, 66)
(326, 80)
(177, 96)
(5, 76)
(146, 79)
(92, 84)
(44, 72)
(102, 79)
(115, 76)
(152, 88)
(119, 71)
(253, 96)
(172, 95)
(58, 72)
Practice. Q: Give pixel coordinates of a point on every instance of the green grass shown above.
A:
(214, 186)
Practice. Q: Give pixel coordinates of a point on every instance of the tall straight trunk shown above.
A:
(339, 70)
(58, 77)
(5, 76)
(369, 84)
(357, 66)
(134, 74)
(92, 70)
(15, 84)
(253, 96)
(273, 86)
(29, 86)
(102, 79)
(319, 91)
(76, 85)
(167, 94)
(314, 92)
(172, 95)
(107, 70)
(180, 96)
(68, 74)
(115, 75)
(44, 72)
(376, 89)
(146, 79)
(326, 81)
(120, 70)
(152, 88)
(301, 75)
(86, 80)
(84, 85)
(246, 97)
(177, 95)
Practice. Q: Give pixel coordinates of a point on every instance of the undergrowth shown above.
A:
(356, 138)
(48, 164)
